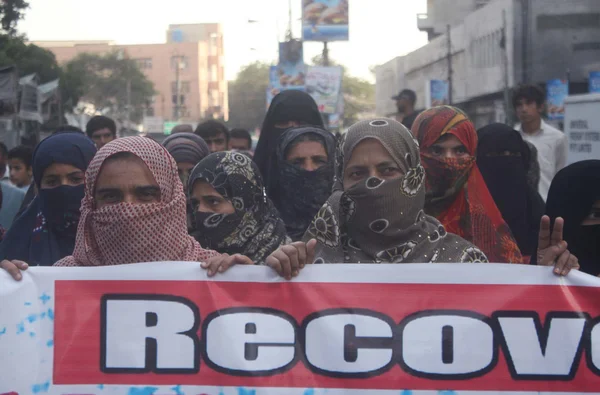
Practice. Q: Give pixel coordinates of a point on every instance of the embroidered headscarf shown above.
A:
(382, 221)
(504, 159)
(45, 231)
(254, 229)
(299, 194)
(456, 192)
(128, 233)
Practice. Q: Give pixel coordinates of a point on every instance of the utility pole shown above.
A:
(176, 88)
(325, 57)
(449, 64)
(503, 46)
(128, 117)
(290, 36)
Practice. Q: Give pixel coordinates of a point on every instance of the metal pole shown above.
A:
(449, 64)
(128, 119)
(325, 57)
(503, 46)
(290, 35)
(176, 88)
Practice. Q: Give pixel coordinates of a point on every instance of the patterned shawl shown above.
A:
(382, 221)
(128, 233)
(456, 192)
(298, 194)
(254, 229)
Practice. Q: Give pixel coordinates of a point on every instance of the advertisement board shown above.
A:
(556, 93)
(324, 85)
(325, 20)
(164, 328)
(594, 82)
(436, 93)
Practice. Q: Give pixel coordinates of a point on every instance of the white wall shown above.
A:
(477, 59)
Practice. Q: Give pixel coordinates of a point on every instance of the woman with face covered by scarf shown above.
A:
(288, 109)
(134, 211)
(375, 214)
(46, 230)
(456, 192)
(574, 196)
(231, 212)
(504, 159)
(305, 158)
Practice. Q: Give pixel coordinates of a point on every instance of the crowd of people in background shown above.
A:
(425, 188)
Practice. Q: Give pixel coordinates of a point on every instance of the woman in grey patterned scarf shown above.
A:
(375, 214)
(231, 212)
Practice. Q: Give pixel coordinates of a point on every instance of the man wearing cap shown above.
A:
(405, 102)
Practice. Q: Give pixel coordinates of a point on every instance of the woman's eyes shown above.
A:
(437, 151)
(76, 180)
(594, 215)
(356, 174)
(389, 171)
(213, 201)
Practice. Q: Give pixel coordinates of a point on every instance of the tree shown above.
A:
(247, 96)
(28, 58)
(11, 11)
(108, 82)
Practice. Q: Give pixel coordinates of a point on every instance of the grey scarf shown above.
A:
(382, 221)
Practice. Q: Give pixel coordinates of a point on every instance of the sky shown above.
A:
(379, 29)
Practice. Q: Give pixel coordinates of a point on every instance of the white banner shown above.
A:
(165, 328)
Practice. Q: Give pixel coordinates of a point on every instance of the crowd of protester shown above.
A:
(433, 192)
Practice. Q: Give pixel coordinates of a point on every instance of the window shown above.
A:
(184, 87)
(214, 44)
(144, 63)
(214, 73)
(566, 21)
(179, 60)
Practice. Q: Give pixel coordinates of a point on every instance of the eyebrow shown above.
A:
(386, 163)
(147, 188)
(106, 190)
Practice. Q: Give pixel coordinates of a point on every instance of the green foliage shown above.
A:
(11, 11)
(103, 80)
(28, 58)
(247, 96)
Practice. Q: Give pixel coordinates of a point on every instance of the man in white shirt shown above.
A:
(551, 143)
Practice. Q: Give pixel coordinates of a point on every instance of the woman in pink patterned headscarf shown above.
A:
(133, 209)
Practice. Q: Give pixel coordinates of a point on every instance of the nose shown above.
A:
(212, 147)
(311, 166)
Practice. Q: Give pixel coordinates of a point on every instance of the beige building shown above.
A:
(196, 49)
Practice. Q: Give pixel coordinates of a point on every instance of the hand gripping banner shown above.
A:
(164, 329)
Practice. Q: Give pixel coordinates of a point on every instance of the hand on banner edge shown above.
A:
(289, 259)
(552, 249)
(220, 263)
(14, 268)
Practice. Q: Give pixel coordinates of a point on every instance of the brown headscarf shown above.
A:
(382, 221)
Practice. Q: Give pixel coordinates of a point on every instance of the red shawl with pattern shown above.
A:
(456, 192)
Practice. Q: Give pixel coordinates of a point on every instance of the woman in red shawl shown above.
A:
(456, 192)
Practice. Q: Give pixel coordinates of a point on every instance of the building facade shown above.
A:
(495, 46)
(187, 71)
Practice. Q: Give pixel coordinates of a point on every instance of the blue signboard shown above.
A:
(325, 20)
(556, 93)
(594, 82)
